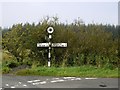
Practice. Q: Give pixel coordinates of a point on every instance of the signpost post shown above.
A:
(50, 30)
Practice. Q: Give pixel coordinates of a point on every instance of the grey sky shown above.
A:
(22, 12)
(119, 13)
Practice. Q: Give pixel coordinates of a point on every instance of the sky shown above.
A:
(89, 12)
(119, 13)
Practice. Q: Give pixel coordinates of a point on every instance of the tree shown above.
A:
(87, 44)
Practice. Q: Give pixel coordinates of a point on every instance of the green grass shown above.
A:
(82, 71)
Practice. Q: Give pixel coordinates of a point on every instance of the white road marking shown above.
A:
(12, 87)
(7, 85)
(36, 82)
(54, 80)
(78, 79)
(33, 81)
(75, 79)
(44, 82)
(57, 81)
(72, 79)
(90, 78)
(68, 77)
(24, 85)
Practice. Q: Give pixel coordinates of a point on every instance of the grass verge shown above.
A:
(82, 71)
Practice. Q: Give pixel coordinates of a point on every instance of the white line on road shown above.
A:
(57, 81)
(24, 85)
(72, 79)
(33, 81)
(78, 79)
(90, 78)
(12, 87)
(44, 82)
(68, 77)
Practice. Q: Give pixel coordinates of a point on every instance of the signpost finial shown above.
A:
(50, 30)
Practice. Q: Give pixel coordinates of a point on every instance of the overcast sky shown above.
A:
(89, 12)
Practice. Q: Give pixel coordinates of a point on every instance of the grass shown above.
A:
(82, 71)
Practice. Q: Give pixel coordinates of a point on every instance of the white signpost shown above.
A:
(50, 30)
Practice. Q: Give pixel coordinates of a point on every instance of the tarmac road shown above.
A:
(10, 81)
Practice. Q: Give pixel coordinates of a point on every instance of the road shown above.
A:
(10, 81)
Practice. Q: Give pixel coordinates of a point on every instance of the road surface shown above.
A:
(10, 81)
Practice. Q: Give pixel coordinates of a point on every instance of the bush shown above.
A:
(6, 70)
(12, 63)
(87, 44)
(27, 61)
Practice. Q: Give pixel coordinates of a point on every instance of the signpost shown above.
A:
(50, 30)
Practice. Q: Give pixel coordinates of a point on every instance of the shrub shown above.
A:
(5, 70)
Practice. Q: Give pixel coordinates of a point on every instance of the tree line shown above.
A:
(92, 44)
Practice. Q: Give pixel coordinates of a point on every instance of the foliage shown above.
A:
(6, 70)
(90, 44)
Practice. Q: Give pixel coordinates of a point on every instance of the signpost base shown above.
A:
(48, 63)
